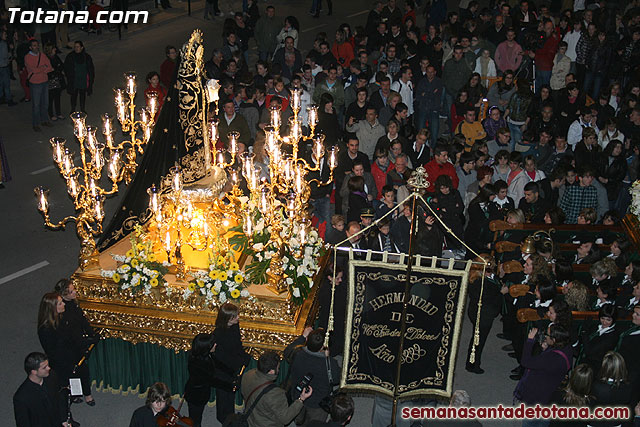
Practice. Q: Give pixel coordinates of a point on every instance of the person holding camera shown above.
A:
(313, 362)
(270, 409)
(342, 408)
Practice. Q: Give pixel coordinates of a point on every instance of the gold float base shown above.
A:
(165, 318)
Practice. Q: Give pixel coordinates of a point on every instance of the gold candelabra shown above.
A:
(188, 217)
(285, 195)
(83, 181)
(125, 111)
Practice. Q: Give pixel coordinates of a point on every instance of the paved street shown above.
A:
(34, 258)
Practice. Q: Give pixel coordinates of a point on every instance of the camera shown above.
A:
(304, 382)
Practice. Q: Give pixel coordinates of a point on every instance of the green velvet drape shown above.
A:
(119, 365)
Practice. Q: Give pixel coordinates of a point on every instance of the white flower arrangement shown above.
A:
(299, 260)
(222, 281)
(140, 270)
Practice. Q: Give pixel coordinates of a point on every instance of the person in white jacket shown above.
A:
(572, 38)
(486, 67)
(561, 67)
(530, 173)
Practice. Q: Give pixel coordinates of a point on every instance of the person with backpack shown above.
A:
(266, 403)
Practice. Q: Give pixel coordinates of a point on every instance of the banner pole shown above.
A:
(405, 304)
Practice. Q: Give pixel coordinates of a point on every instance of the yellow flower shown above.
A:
(140, 247)
(130, 253)
(152, 257)
(235, 293)
(200, 283)
(234, 266)
(192, 286)
(154, 273)
(116, 277)
(238, 278)
(153, 282)
(213, 274)
(223, 276)
(214, 291)
(125, 267)
(220, 260)
(134, 263)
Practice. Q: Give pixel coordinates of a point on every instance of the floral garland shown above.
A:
(635, 198)
(223, 281)
(140, 271)
(299, 260)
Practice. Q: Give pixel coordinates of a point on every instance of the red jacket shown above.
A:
(434, 170)
(380, 176)
(545, 55)
(343, 53)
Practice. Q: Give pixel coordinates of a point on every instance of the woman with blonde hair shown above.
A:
(576, 294)
(612, 387)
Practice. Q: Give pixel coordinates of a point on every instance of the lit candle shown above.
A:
(176, 181)
(58, 149)
(79, 127)
(68, 161)
(98, 210)
(93, 189)
(303, 235)
(233, 143)
(312, 111)
(131, 82)
(333, 157)
(247, 225)
(287, 171)
(144, 116)
(275, 117)
(213, 130)
(107, 124)
(317, 149)
(167, 242)
(234, 177)
(299, 184)
(264, 201)
(98, 160)
(152, 103)
(147, 133)
(72, 186)
(295, 99)
(291, 205)
(220, 158)
(296, 131)
(189, 211)
(41, 195)
(205, 229)
(153, 199)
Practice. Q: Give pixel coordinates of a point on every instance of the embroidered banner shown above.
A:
(434, 322)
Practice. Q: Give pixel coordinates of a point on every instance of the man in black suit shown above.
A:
(35, 403)
(532, 205)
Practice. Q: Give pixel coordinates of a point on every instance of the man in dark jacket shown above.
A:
(429, 94)
(312, 359)
(35, 403)
(230, 121)
(272, 410)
